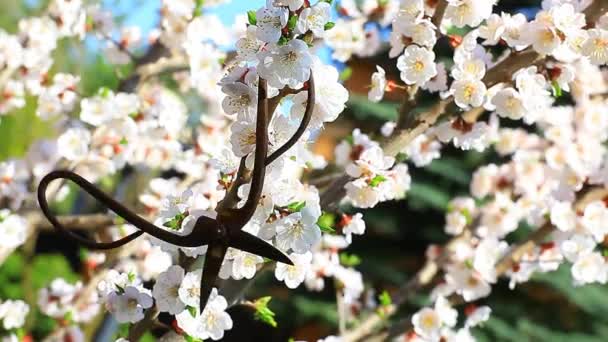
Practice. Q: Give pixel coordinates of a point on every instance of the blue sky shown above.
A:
(144, 13)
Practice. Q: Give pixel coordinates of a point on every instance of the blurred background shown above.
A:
(548, 308)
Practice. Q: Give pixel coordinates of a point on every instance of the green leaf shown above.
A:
(329, 25)
(349, 260)
(377, 181)
(291, 23)
(131, 276)
(69, 317)
(148, 337)
(283, 40)
(296, 207)
(400, 158)
(326, 222)
(20, 333)
(120, 289)
(557, 89)
(350, 140)
(123, 141)
(189, 338)
(198, 9)
(176, 222)
(308, 38)
(251, 17)
(263, 312)
(385, 298)
(192, 310)
(123, 330)
(83, 254)
(104, 92)
(346, 74)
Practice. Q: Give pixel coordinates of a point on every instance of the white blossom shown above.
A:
(128, 306)
(13, 313)
(294, 275)
(378, 86)
(165, 290)
(211, 323)
(314, 18)
(417, 65)
(270, 21)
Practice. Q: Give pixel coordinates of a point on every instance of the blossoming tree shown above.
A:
(530, 89)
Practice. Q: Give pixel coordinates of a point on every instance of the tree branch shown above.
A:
(431, 268)
(416, 125)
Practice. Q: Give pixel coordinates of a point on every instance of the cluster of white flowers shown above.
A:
(13, 314)
(62, 299)
(376, 177)
(438, 323)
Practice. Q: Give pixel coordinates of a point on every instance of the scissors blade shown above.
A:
(253, 244)
(211, 269)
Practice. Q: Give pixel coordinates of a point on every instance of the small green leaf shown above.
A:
(385, 298)
(557, 89)
(120, 289)
(20, 334)
(131, 277)
(283, 40)
(296, 207)
(329, 25)
(176, 222)
(467, 215)
(189, 338)
(83, 253)
(346, 74)
(349, 260)
(69, 317)
(104, 92)
(192, 310)
(263, 312)
(123, 141)
(251, 17)
(308, 38)
(377, 181)
(326, 222)
(401, 157)
(291, 23)
(468, 263)
(198, 9)
(350, 140)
